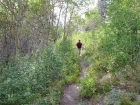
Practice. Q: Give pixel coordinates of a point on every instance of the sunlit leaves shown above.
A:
(124, 25)
(36, 5)
(93, 19)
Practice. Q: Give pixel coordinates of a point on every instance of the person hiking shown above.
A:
(79, 46)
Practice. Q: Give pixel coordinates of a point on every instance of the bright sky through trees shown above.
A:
(81, 12)
(90, 6)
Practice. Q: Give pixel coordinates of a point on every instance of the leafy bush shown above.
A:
(70, 61)
(33, 80)
(113, 98)
(88, 84)
(27, 78)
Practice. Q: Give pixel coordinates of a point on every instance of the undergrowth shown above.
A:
(109, 67)
(39, 79)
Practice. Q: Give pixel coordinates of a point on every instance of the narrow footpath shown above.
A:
(71, 92)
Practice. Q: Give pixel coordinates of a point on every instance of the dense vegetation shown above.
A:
(112, 54)
(43, 60)
(39, 79)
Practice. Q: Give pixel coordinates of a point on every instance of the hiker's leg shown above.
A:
(79, 51)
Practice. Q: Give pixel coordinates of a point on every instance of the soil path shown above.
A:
(71, 92)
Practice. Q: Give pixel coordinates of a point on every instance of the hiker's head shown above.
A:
(79, 40)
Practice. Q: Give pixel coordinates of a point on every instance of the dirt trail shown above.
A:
(84, 67)
(71, 92)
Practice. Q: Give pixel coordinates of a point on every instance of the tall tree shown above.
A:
(15, 12)
(31, 24)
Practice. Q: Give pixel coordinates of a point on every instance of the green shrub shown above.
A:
(125, 102)
(88, 88)
(118, 97)
(113, 98)
(88, 84)
(129, 99)
(32, 80)
(70, 61)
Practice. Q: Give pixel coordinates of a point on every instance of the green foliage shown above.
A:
(111, 48)
(103, 88)
(118, 97)
(97, 62)
(93, 19)
(88, 84)
(40, 78)
(70, 61)
(113, 98)
(36, 5)
(27, 78)
(123, 40)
